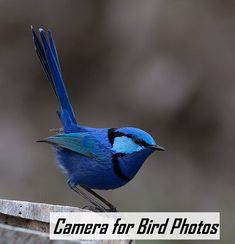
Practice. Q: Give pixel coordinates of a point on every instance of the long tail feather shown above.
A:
(47, 53)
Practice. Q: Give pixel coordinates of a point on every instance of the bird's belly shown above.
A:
(88, 172)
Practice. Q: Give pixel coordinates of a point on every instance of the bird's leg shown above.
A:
(86, 197)
(111, 207)
(93, 201)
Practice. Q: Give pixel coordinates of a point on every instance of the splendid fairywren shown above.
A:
(92, 158)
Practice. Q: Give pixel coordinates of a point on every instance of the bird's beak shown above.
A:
(156, 147)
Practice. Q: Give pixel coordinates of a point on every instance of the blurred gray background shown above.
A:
(165, 66)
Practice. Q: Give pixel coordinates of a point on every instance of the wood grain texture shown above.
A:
(24, 222)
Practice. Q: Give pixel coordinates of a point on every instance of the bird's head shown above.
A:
(128, 140)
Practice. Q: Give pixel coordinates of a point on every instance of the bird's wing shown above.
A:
(82, 143)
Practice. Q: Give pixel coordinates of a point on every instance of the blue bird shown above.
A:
(91, 158)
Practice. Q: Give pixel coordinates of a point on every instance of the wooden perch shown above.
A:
(26, 222)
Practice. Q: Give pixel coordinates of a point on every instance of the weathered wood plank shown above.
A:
(33, 211)
(27, 222)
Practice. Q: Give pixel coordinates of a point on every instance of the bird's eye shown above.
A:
(140, 142)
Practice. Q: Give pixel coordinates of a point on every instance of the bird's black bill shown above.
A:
(156, 147)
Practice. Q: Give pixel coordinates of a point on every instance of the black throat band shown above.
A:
(117, 167)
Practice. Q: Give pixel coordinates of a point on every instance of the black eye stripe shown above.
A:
(140, 142)
(118, 134)
(112, 133)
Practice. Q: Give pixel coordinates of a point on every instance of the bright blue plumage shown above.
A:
(98, 158)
